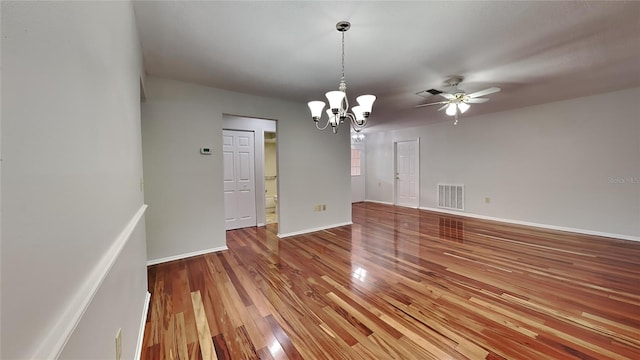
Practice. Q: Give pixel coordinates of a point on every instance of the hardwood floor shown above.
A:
(400, 284)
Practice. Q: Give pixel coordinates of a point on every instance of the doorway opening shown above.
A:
(357, 173)
(264, 130)
(270, 178)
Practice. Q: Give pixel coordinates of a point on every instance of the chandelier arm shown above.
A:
(357, 127)
(351, 117)
(346, 103)
(322, 128)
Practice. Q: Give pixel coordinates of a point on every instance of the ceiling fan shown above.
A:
(457, 101)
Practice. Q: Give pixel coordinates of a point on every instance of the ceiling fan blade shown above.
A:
(443, 107)
(476, 100)
(488, 91)
(447, 96)
(435, 103)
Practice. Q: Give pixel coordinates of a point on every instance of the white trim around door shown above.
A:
(406, 173)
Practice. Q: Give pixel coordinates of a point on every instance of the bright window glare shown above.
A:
(360, 274)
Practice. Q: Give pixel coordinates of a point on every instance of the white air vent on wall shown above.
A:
(451, 196)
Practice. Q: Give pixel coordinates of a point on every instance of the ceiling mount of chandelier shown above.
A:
(338, 110)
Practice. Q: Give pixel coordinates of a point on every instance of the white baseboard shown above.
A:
(407, 206)
(184, 256)
(143, 321)
(527, 223)
(379, 202)
(306, 231)
(56, 339)
(392, 204)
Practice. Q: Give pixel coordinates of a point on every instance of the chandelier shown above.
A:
(338, 102)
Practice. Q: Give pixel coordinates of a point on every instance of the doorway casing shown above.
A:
(406, 173)
(259, 127)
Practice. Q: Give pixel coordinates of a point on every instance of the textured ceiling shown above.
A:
(536, 51)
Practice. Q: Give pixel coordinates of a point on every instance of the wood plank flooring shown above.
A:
(400, 284)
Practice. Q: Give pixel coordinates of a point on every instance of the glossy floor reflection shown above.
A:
(400, 284)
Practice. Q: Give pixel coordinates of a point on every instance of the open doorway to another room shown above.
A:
(357, 172)
(270, 178)
(264, 166)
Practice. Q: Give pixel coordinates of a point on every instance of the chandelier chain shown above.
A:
(343, 56)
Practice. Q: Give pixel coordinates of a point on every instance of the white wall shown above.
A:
(71, 197)
(572, 164)
(184, 189)
(94, 336)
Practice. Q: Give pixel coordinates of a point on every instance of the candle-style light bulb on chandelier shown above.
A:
(338, 102)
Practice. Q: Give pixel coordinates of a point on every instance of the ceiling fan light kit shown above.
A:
(457, 101)
(338, 102)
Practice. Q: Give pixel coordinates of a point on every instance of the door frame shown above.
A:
(395, 171)
(258, 126)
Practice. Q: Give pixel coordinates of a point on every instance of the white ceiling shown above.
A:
(536, 51)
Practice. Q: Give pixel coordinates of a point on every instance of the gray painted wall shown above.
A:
(573, 163)
(71, 171)
(184, 189)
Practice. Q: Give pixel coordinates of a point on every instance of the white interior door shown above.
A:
(239, 179)
(407, 177)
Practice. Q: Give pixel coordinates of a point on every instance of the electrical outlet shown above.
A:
(119, 344)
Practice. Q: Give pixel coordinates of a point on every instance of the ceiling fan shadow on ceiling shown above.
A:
(457, 100)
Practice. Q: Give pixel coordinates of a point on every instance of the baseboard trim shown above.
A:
(306, 231)
(143, 321)
(187, 255)
(54, 342)
(527, 223)
(379, 202)
(406, 206)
